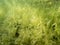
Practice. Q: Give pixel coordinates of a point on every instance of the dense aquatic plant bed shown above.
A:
(29, 22)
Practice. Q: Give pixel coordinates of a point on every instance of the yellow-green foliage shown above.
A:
(29, 22)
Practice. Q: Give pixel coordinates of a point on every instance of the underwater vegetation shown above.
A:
(29, 22)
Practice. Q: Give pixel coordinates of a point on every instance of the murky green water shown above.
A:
(29, 22)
